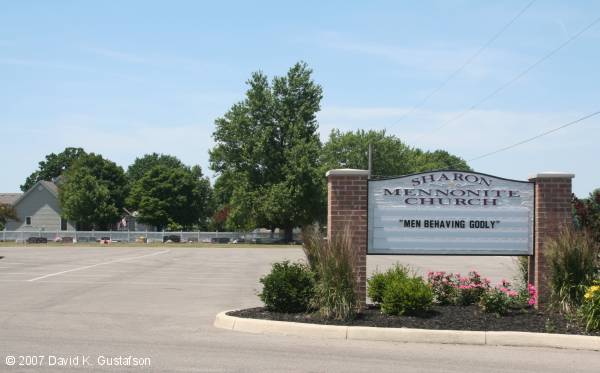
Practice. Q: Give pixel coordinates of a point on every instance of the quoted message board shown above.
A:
(450, 213)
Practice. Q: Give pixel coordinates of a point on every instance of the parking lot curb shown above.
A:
(407, 335)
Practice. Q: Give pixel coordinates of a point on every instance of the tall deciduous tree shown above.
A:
(586, 213)
(143, 164)
(267, 150)
(54, 166)
(171, 197)
(391, 157)
(93, 192)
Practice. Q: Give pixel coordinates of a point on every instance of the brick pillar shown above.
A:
(347, 207)
(552, 213)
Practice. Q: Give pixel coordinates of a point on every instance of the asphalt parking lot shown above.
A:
(95, 306)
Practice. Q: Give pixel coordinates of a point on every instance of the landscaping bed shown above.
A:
(325, 291)
(439, 317)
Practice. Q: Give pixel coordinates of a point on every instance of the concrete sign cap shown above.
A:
(347, 172)
(552, 175)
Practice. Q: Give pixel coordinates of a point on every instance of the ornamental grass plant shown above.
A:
(333, 262)
(574, 264)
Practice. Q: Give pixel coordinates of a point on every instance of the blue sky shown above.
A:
(128, 78)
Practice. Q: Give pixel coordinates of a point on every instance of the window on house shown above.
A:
(63, 224)
(28, 220)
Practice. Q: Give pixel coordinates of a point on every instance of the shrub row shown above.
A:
(327, 284)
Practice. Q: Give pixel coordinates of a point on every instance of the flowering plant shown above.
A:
(471, 288)
(502, 297)
(499, 299)
(528, 295)
(590, 308)
(452, 288)
(444, 287)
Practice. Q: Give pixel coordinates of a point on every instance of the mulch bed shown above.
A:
(440, 317)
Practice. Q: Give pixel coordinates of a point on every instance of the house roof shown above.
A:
(53, 188)
(50, 186)
(9, 198)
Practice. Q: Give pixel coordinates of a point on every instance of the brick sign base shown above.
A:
(347, 207)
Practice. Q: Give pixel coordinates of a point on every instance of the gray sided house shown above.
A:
(38, 209)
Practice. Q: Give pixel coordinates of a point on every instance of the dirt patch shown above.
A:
(440, 318)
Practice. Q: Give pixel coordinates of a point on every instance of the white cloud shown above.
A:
(441, 59)
(155, 60)
(58, 65)
(27, 62)
(117, 55)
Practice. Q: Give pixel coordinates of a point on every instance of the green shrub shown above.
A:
(407, 295)
(590, 309)
(495, 301)
(333, 262)
(288, 288)
(573, 261)
(376, 287)
(377, 282)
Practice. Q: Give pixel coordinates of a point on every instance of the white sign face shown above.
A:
(451, 213)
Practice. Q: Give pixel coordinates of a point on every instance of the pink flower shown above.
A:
(532, 294)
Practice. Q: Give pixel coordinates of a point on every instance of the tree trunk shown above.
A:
(288, 234)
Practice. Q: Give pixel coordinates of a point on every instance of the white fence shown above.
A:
(139, 237)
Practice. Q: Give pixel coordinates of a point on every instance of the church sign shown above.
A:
(450, 213)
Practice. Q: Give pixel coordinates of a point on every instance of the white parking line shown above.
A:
(96, 265)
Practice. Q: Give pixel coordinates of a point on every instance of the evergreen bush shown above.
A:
(289, 287)
(408, 295)
(377, 283)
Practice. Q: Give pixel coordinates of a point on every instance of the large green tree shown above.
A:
(390, 156)
(171, 197)
(93, 192)
(54, 165)
(586, 213)
(267, 152)
(141, 165)
(87, 200)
